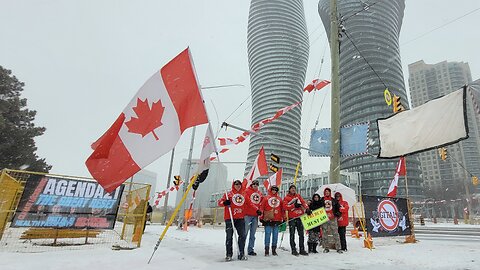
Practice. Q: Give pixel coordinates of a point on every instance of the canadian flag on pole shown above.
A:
(258, 169)
(151, 124)
(400, 171)
(316, 84)
(274, 180)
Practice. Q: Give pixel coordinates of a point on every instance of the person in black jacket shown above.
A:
(330, 228)
(314, 236)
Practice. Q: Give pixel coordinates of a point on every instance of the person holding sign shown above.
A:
(272, 217)
(342, 220)
(330, 228)
(314, 236)
(296, 206)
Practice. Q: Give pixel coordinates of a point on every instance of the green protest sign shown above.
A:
(317, 218)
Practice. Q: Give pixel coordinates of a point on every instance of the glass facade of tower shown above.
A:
(375, 32)
(277, 54)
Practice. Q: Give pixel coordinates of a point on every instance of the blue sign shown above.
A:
(353, 141)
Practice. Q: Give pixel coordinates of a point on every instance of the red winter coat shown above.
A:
(343, 219)
(237, 203)
(273, 202)
(289, 205)
(253, 200)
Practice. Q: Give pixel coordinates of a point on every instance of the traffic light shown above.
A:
(474, 180)
(177, 180)
(397, 104)
(443, 153)
(273, 168)
(275, 158)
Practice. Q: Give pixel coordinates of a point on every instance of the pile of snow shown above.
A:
(204, 248)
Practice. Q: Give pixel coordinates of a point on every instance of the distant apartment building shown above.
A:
(430, 81)
(146, 177)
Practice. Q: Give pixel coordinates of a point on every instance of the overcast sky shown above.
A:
(82, 62)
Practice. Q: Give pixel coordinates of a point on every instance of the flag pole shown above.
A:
(173, 216)
(409, 238)
(296, 174)
(165, 204)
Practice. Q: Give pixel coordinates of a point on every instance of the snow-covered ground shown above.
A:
(203, 248)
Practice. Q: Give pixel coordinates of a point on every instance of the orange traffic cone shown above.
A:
(368, 242)
(354, 233)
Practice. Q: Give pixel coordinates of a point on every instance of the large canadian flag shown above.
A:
(259, 168)
(274, 180)
(151, 124)
(400, 171)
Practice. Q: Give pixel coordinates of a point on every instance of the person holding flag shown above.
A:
(273, 212)
(296, 206)
(253, 201)
(234, 214)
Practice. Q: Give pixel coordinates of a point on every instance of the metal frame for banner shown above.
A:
(128, 227)
(10, 192)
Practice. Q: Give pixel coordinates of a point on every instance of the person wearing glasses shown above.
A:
(253, 199)
(234, 202)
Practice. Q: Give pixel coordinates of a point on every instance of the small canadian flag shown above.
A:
(316, 84)
(259, 168)
(274, 180)
(400, 171)
(151, 124)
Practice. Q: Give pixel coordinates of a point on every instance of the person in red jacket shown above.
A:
(342, 220)
(272, 217)
(253, 199)
(295, 206)
(234, 202)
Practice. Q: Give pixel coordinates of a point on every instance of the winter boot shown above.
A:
(294, 252)
(326, 250)
(274, 251)
(303, 252)
(309, 247)
(314, 248)
(340, 251)
(242, 257)
(266, 251)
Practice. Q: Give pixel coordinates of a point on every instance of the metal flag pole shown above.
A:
(410, 238)
(165, 204)
(194, 178)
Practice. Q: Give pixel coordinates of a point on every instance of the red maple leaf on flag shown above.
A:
(148, 118)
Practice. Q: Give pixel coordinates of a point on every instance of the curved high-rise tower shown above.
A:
(277, 56)
(375, 31)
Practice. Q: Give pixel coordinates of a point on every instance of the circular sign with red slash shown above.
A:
(388, 215)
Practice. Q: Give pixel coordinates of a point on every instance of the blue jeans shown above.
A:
(251, 224)
(271, 231)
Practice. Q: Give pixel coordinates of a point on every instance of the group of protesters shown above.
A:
(245, 206)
